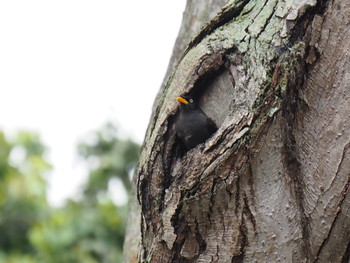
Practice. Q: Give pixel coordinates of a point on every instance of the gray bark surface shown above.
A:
(272, 184)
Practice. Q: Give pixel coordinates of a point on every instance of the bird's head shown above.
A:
(186, 101)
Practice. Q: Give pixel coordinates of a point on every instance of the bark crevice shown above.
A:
(290, 156)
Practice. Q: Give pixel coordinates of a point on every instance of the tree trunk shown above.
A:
(272, 184)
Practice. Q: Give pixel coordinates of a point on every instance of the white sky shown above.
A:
(68, 66)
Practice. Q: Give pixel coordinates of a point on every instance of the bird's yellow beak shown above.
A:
(182, 100)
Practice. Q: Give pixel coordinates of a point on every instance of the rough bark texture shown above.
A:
(272, 184)
(197, 13)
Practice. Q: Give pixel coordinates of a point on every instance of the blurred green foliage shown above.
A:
(90, 229)
(110, 157)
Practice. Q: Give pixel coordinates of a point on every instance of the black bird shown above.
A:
(192, 125)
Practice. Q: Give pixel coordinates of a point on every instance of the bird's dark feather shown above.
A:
(193, 126)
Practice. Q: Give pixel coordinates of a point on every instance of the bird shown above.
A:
(192, 125)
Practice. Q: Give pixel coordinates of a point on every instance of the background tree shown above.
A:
(272, 184)
(112, 156)
(91, 229)
(22, 194)
(88, 229)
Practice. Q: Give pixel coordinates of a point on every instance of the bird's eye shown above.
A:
(191, 100)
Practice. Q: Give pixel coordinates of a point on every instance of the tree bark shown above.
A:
(272, 184)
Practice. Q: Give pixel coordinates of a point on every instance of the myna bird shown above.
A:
(192, 125)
